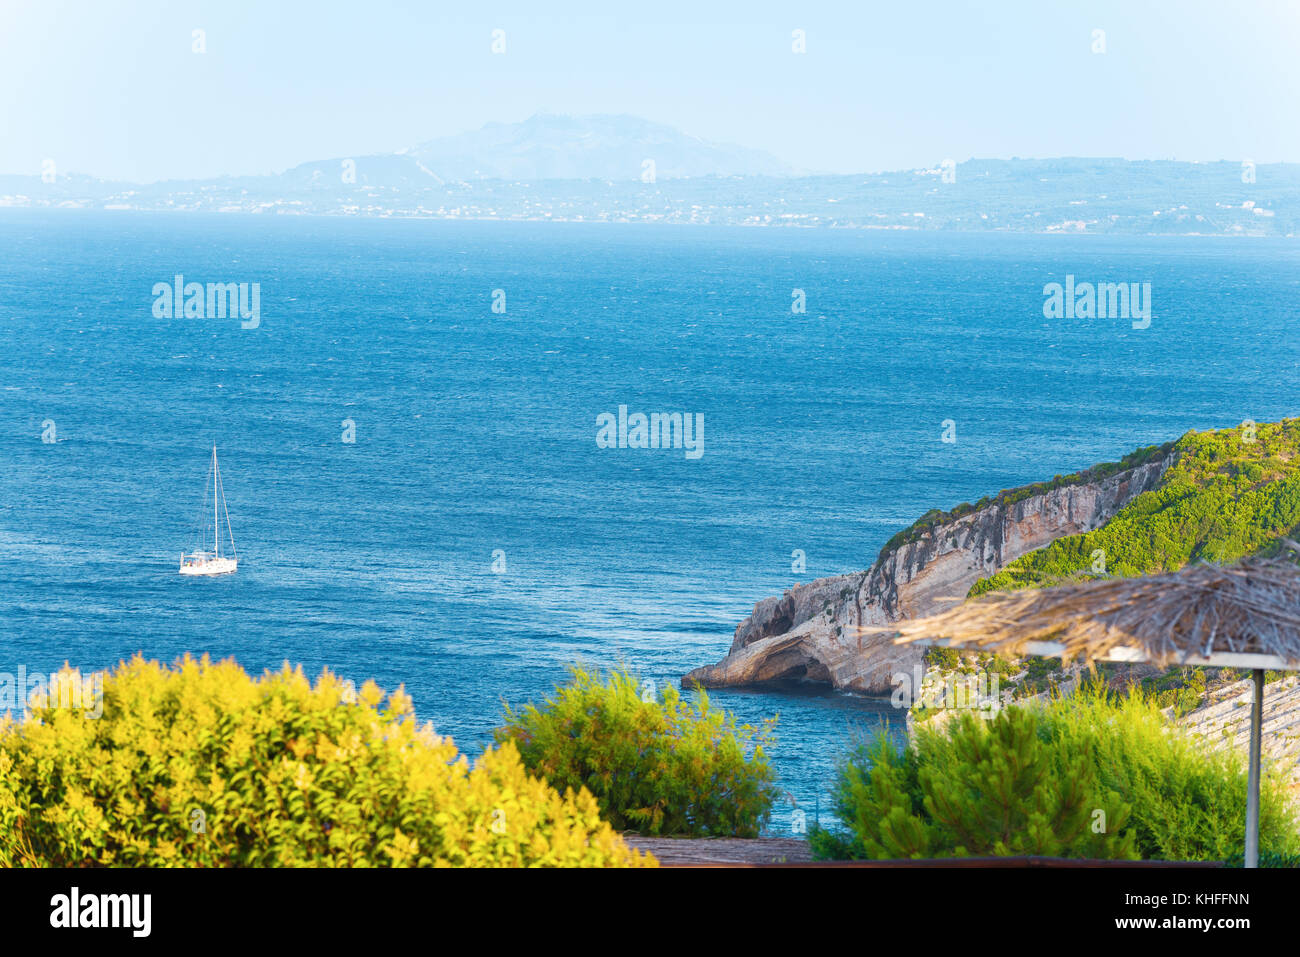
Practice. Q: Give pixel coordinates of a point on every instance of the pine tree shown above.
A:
(985, 788)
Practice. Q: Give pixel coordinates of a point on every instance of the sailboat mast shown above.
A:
(216, 485)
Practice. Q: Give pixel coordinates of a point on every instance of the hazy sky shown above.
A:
(114, 89)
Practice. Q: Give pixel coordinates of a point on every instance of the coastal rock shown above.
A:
(1223, 722)
(810, 631)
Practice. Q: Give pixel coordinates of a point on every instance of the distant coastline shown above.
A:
(1062, 196)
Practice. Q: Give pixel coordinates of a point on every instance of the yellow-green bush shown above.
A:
(201, 765)
(656, 763)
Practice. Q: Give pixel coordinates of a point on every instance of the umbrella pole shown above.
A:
(1252, 794)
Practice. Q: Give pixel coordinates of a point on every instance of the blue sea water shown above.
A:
(475, 432)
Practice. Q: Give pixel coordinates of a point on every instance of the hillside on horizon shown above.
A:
(619, 168)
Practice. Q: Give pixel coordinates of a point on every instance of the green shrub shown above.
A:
(1039, 674)
(944, 659)
(659, 766)
(201, 765)
(1189, 803)
(1182, 689)
(968, 790)
(977, 788)
(997, 665)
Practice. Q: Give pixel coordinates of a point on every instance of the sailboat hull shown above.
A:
(213, 566)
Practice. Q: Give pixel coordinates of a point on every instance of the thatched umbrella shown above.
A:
(1241, 616)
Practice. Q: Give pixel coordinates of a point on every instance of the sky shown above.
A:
(114, 89)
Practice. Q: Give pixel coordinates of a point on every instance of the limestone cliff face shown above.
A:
(810, 631)
(1224, 722)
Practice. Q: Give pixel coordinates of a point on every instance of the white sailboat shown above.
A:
(205, 561)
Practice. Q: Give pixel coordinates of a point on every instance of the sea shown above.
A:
(408, 434)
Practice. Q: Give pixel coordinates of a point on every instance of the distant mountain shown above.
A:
(602, 147)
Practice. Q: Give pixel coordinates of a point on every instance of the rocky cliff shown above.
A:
(811, 631)
(1224, 722)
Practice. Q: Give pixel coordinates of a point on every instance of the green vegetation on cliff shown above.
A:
(1228, 493)
(1008, 497)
